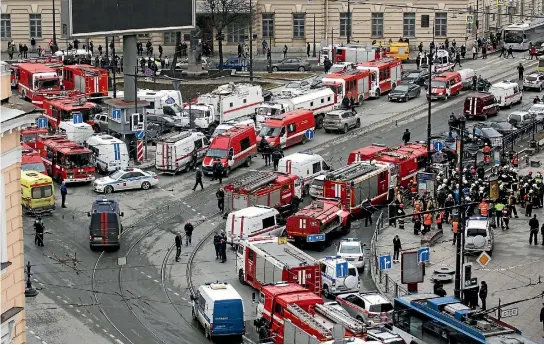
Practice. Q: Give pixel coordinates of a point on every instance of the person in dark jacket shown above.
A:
(217, 245)
(406, 136)
(219, 170)
(483, 294)
(220, 195)
(520, 71)
(39, 228)
(198, 179)
(188, 232)
(397, 247)
(542, 316)
(276, 156)
(223, 249)
(533, 225)
(267, 155)
(178, 241)
(345, 102)
(327, 64)
(63, 193)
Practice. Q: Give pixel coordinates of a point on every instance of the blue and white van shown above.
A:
(219, 309)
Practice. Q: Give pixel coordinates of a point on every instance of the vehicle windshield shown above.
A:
(412, 76)
(267, 111)
(515, 118)
(68, 115)
(438, 83)
(541, 63)
(47, 83)
(530, 78)
(381, 308)
(350, 249)
(42, 192)
(293, 85)
(335, 69)
(476, 232)
(333, 117)
(337, 89)
(402, 88)
(79, 160)
(29, 138)
(116, 175)
(39, 167)
(219, 153)
(537, 108)
(269, 131)
(197, 113)
(513, 36)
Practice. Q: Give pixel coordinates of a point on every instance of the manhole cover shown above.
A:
(444, 270)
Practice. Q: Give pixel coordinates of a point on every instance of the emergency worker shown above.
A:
(427, 222)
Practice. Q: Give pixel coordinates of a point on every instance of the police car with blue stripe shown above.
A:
(131, 178)
(338, 276)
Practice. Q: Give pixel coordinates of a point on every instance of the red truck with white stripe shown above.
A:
(36, 81)
(445, 85)
(264, 260)
(89, 80)
(385, 75)
(406, 161)
(287, 129)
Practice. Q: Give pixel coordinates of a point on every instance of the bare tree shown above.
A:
(222, 14)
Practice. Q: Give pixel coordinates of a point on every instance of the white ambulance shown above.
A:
(252, 221)
(506, 93)
(78, 132)
(306, 166)
(178, 151)
(110, 153)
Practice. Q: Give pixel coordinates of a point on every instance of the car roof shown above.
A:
(474, 223)
(104, 205)
(374, 298)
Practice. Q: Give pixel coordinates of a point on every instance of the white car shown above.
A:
(369, 307)
(534, 81)
(351, 250)
(538, 110)
(131, 178)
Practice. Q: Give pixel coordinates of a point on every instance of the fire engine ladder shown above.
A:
(351, 171)
(256, 181)
(296, 255)
(308, 319)
(89, 70)
(353, 325)
(173, 137)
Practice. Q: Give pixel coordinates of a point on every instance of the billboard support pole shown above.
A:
(250, 41)
(129, 56)
(114, 67)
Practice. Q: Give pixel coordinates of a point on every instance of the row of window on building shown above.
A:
(34, 22)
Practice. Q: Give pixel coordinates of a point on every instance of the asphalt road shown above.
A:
(146, 300)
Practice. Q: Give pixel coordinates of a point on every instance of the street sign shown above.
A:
(282, 240)
(148, 72)
(423, 254)
(437, 157)
(509, 312)
(342, 269)
(140, 135)
(77, 118)
(385, 262)
(116, 114)
(483, 259)
(438, 146)
(315, 238)
(309, 134)
(42, 122)
(500, 2)
(470, 19)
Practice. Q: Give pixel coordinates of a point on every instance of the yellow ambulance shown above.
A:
(37, 192)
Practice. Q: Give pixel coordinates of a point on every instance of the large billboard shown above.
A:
(87, 18)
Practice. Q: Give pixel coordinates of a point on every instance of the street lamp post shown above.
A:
(429, 101)
(349, 24)
(461, 216)
(313, 52)
(54, 28)
(250, 41)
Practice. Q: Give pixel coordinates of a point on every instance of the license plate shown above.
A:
(98, 238)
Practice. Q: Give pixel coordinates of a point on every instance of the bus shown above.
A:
(428, 318)
(519, 35)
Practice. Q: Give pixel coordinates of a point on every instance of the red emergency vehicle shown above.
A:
(62, 108)
(65, 160)
(36, 81)
(385, 75)
(366, 153)
(353, 184)
(30, 134)
(406, 161)
(272, 189)
(232, 148)
(14, 75)
(445, 85)
(351, 82)
(262, 260)
(90, 80)
(287, 129)
(31, 160)
(318, 222)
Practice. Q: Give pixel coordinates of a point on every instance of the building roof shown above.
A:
(16, 114)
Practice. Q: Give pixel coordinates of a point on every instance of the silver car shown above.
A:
(341, 120)
(534, 81)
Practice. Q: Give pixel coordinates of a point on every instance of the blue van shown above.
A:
(219, 309)
(234, 63)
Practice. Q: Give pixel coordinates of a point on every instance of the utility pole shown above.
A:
(114, 67)
(313, 52)
(54, 28)
(477, 14)
(460, 229)
(429, 101)
(348, 31)
(250, 41)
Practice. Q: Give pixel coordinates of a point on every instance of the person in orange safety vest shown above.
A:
(455, 229)
(487, 153)
(439, 220)
(484, 208)
(427, 222)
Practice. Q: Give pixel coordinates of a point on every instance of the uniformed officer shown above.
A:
(178, 240)
(39, 228)
(276, 156)
(188, 232)
(223, 249)
(220, 195)
(216, 244)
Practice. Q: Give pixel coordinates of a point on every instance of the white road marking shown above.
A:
(90, 320)
(149, 277)
(193, 210)
(64, 301)
(32, 332)
(168, 289)
(184, 203)
(105, 331)
(183, 298)
(155, 280)
(58, 297)
(43, 342)
(175, 293)
(42, 284)
(35, 279)
(83, 315)
(78, 311)
(37, 337)
(112, 336)
(118, 341)
(142, 272)
(213, 223)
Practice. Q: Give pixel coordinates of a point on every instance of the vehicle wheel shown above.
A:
(491, 252)
(227, 173)
(406, 99)
(358, 124)
(327, 291)
(193, 314)
(327, 131)
(361, 100)
(446, 98)
(322, 246)
(345, 129)
(59, 178)
(146, 185)
(274, 69)
(520, 100)
(524, 88)
(108, 190)
(301, 69)
(418, 93)
(241, 277)
(207, 332)
(510, 106)
(540, 88)
(363, 268)
(91, 247)
(444, 334)
(393, 86)
(319, 122)
(304, 140)
(485, 117)
(378, 93)
(211, 129)
(248, 162)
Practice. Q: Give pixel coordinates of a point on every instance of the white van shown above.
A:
(506, 93)
(305, 165)
(338, 276)
(225, 126)
(220, 310)
(78, 132)
(178, 151)
(479, 235)
(466, 77)
(167, 102)
(110, 153)
(252, 221)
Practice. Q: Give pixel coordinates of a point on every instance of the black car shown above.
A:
(503, 127)
(404, 92)
(166, 123)
(105, 228)
(317, 83)
(415, 77)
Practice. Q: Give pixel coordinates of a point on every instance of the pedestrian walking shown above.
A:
(528, 206)
(506, 214)
(160, 51)
(178, 241)
(39, 229)
(217, 245)
(406, 136)
(220, 195)
(474, 52)
(367, 209)
(512, 205)
(483, 294)
(457, 60)
(542, 317)
(223, 249)
(510, 52)
(397, 247)
(308, 49)
(267, 155)
(198, 179)
(520, 71)
(285, 50)
(499, 207)
(427, 222)
(63, 193)
(218, 170)
(532, 52)
(327, 64)
(188, 232)
(533, 226)
(166, 62)
(542, 233)
(276, 156)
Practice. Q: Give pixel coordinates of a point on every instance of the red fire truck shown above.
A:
(318, 222)
(406, 161)
(37, 80)
(31, 160)
(385, 75)
(30, 134)
(290, 314)
(90, 80)
(272, 189)
(351, 82)
(264, 260)
(366, 153)
(65, 160)
(62, 108)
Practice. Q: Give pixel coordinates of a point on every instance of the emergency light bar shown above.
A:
(347, 239)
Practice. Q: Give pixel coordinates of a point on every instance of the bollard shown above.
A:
(29, 290)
